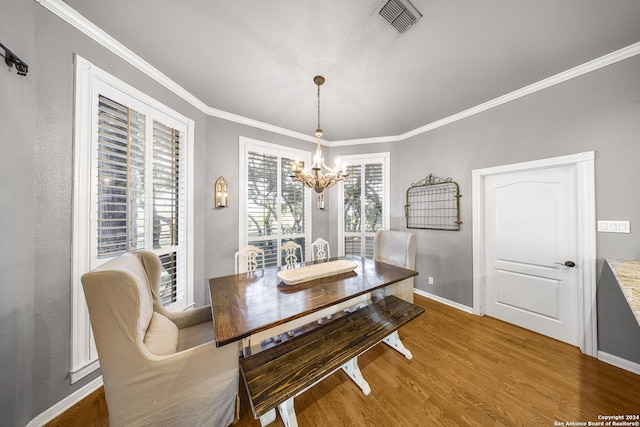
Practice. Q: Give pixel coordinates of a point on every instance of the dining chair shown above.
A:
(397, 248)
(246, 259)
(288, 252)
(158, 367)
(320, 249)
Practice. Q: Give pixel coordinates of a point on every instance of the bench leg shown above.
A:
(394, 342)
(250, 347)
(353, 370)
(288, 413)
(268, 418)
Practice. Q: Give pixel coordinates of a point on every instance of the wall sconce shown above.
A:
(320, 200)
(222, 193)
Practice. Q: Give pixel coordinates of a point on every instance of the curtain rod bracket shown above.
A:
(10, 59)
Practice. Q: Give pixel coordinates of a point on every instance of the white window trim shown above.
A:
(362, 159)
(244, 146)
(89, 80)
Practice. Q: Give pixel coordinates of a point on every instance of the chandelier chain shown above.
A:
(313, 177)
(319, 128)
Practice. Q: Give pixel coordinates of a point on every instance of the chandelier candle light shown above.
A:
(313, 177)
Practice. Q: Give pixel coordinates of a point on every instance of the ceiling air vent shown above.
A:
(400, 14)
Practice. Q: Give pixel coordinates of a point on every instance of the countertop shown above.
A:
(627, 273)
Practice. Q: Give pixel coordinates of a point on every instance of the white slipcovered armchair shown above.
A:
(158, 367)
(397, 248)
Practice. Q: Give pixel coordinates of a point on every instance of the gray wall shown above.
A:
(599, 111)
(17, 194)
(37, 167)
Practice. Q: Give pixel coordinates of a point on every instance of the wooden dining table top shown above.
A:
(247, 303)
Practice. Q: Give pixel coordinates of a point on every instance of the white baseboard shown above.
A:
(65, 403)
(444, 301)
(619, 362)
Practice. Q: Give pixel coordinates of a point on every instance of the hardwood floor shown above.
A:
(89, 412)
(466, 371)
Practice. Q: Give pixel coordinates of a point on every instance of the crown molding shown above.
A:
(261, 125)
(362, 141)
(561, 77)
(68, 14)
(596, 64)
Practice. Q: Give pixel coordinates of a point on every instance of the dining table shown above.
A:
(254, 306)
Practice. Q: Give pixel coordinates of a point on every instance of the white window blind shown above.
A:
(169, 192)
(121, 178)
(132, 191)
(166, 186)
(373, 197)
(274, 209)
(261, 202)
(122, 208)
(364, 209)
(292, 203)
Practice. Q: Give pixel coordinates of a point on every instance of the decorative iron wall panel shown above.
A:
(433, 203)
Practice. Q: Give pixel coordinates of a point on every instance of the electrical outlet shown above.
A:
(430, 280)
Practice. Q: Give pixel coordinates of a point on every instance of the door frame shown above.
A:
(586, 238)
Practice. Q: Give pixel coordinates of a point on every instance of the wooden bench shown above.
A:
(275, 376)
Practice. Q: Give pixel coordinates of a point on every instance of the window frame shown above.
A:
(90, 83)
(245, 146)
(362, 160)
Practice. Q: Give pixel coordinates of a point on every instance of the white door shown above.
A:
(530, 220)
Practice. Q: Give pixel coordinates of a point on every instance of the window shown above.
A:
(131, 192)
(273, 208)
(365, 207)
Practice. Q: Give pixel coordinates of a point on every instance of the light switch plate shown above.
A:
(614, 226)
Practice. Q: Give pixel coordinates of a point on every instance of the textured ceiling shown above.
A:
(257, 58)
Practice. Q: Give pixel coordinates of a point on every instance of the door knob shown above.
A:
(567, 264)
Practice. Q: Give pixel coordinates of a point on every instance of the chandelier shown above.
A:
(314, 177)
